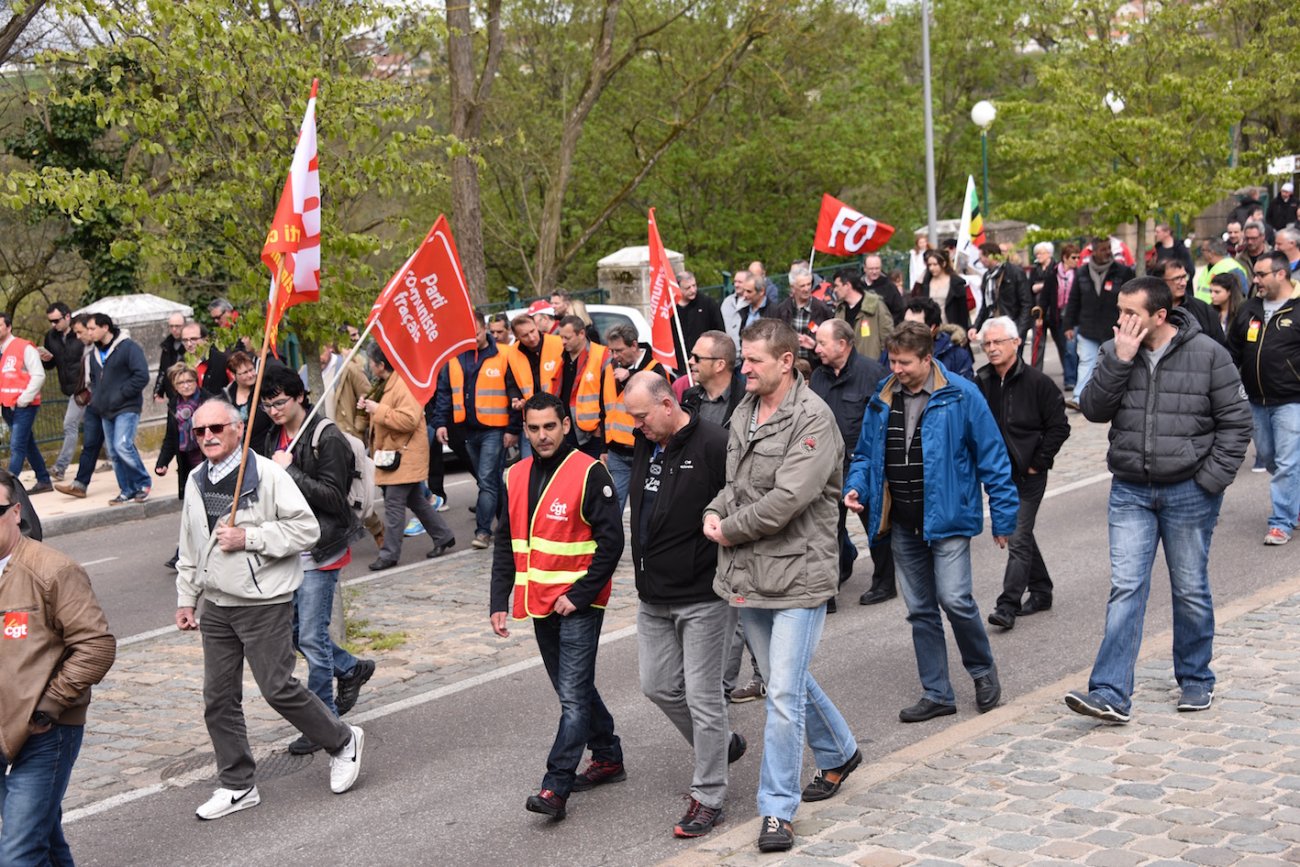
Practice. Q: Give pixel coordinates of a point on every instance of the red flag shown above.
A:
(842, 231)
(424, 316)
(292, 248)
(664, 296)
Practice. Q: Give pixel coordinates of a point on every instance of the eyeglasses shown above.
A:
(1264, 273)
(181, 382)
(999, 342)
(698, 358)
(276, 405)
(1177, 278)
(4, 510)
(201, 429)
(190, 339)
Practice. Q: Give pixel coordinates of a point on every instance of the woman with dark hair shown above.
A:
(946, 287)
(400, 448)
(240, 395)
(1225, 298)
(1058, 284)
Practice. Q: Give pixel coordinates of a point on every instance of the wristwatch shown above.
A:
(41, 718)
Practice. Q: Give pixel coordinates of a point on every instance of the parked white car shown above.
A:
(605, 315)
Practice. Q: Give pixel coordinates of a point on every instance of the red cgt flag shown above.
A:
(424, 316)
(664, 295)
(292, 248)
(842, 231)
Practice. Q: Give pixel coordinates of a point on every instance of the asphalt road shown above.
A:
(445, 782)
(127, 562)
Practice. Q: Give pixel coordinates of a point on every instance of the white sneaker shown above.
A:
(226, 801)
(345, 765)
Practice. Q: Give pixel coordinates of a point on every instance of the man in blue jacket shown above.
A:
(928, 441)
(119, 375)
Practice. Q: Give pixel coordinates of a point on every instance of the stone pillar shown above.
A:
(625, 276)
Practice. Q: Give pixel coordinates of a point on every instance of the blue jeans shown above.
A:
(119, 436)
(620, 469)
(22, 444)
(92, 441)
(1181, 517)
(313, 603)
(31, 799)
(1088, 350)
(568, 646)
(783, 641)
(1277, 448)
(484, 446)
(937, 575)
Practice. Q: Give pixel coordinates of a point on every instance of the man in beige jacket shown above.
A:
(778, 562)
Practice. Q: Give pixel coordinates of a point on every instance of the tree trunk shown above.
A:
(15, 26)
(1140, 254)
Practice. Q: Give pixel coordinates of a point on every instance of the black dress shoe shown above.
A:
(303, 746)
(381, 563)
(439, 550)
(877, 595)
(988, 692)
(736, 748)
(1034, 605)
(924, 710)
(1002, 617)
(830, 605)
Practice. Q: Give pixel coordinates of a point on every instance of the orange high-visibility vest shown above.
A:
(619, 426)
(14, 377)
(491, 406)
(585, 398)
(553, 547)
(551, 370)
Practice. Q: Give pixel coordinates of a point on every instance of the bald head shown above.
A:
(649, 399)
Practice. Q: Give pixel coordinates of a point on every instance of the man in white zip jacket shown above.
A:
(247, 574)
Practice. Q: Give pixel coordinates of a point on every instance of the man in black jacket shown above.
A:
(1178, 432)
(718, 384)
(1005, 291)
(1265, 343)
(205, 357)
(64, 353)
(321, 464)
(170, 351)
(1030, 412)
(873, 274)
(697, 314)
(1282, 209)
(679, 465)
(118, 377)
(1091, 312)
(846, 380)
(804, 313)
(1176, 278)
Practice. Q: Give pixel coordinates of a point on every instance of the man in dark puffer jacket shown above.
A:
(1179, 429)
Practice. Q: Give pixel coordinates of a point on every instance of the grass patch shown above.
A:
(360, 638)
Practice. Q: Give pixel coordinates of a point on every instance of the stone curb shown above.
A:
(60, 525)
(739, 839)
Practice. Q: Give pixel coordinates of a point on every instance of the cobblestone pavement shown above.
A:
(1032, 783)
(146, 720)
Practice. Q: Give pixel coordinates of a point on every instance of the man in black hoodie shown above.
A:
(1092, 310)
(679, 465)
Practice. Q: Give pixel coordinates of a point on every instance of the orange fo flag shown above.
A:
(292, 248)
(424, 317)
(664, 297)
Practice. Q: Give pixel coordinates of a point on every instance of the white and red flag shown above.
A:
(664, 297)
(844, 231)
(424, 316)
(292, 248)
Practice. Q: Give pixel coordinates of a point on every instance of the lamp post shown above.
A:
(983, 113)
(931, 207)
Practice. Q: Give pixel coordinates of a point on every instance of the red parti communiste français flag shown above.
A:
(292, 248)
(664, 297)
(424, 316)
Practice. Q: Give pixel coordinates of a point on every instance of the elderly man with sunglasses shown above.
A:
(247, 570)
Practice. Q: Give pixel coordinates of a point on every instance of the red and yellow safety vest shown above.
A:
(491, 405)
(553, 547)
(551, 370)
(585, 398)
(14, 377)
(619, 425)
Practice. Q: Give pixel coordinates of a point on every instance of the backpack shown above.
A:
(363, 496)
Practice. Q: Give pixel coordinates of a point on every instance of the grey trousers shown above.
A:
(682, 649)
(72, 417)
(399, 498)
(735, 656)
(262, 634)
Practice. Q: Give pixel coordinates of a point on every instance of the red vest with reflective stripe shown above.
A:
(491, 406)
(618, 421)
(585, 398)
(14, 377)
(553, 548)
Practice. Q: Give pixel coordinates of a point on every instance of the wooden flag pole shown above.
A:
(253, 403)
(356, 347)
(686, 350)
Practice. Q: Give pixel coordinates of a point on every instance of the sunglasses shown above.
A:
(56, 320)
(4, 510)
(698, 358)
(201, 429)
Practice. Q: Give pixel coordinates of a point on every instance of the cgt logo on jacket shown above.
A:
(558, 511)
(15, 624)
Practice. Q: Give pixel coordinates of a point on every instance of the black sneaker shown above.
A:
(698, 821)
(598, 773)
(350, 685)
(1003, 617)
(736, 748)
(1090, 704)
(303, 746)
(439, 550)
(828, 782)
(547, 803)
(777, 835)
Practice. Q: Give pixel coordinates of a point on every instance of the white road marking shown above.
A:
(97, 562)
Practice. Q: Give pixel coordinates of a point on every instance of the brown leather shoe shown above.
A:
(72, 489)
